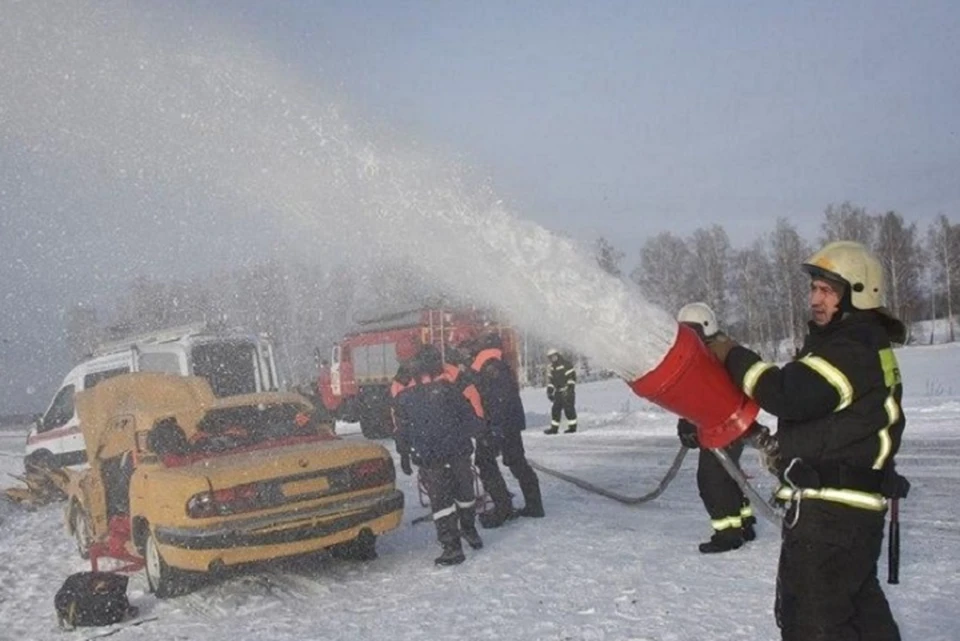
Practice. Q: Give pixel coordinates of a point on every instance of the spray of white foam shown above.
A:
(145, 107)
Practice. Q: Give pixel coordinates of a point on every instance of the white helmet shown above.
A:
(699, 314)
(853, 265)
(552, 352)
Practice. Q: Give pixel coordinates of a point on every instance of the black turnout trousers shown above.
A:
(827, 585)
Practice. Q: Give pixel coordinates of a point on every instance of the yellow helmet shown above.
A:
(853, 265)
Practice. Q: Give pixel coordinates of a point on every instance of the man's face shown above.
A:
(824, 301)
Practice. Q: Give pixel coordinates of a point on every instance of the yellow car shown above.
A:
(192, 483)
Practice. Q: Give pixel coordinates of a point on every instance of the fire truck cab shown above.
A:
(355, 383)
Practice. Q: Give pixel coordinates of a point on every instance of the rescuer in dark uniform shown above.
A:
(435, 421)
(840, 425)
(730, 513)
(561, 390)
(499, 393)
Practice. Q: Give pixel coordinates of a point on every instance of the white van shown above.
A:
(234, 362)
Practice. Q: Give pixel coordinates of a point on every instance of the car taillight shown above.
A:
(372, 472)
(231, 500)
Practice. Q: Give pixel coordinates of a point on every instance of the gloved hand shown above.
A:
(490, 441)
(405, 464)
(551, 393)
(720, 344)
(759, 437)
(688, 435)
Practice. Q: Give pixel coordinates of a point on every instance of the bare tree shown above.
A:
(899, 252)
(608, 257)
(848, 222)
(943, 242)
(754, 296)
(711, 268)
(664, 263)
(788, 251)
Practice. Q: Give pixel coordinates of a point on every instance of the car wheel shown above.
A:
(162, 580)
(80, 525)
(362, 548)
(41, 461)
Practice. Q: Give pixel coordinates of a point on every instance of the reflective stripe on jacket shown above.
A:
(838, 403)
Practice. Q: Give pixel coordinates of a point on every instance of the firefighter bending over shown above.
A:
(503, 410)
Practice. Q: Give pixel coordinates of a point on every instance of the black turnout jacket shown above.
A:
(838, 405)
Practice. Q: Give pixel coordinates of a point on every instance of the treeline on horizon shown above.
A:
(759, 292)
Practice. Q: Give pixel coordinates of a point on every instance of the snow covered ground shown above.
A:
(592, 569)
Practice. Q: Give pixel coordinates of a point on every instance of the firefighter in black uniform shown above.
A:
(435, 421)
(730, 513)
(503, 410)
(561, 390)
(840, 425)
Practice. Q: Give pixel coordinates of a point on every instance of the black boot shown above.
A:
(530, 488)
(468, 528)
(723, 541)
(570, 430)
(452, 555)
(496, 488)
(448, 534)
(497, 516)
(553, 429)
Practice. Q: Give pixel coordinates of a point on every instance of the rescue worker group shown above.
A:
(839, 427)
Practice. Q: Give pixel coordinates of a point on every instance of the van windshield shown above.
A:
(229, 366)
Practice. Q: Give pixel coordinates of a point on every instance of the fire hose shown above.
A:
(626, 500)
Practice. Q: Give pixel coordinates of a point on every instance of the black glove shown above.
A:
(490, 441)
(405, 464)
(688, 435)
(551, 393)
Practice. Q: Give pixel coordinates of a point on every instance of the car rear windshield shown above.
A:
(230, 366)
(229, 428)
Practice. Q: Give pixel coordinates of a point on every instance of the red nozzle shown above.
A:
(691, 382)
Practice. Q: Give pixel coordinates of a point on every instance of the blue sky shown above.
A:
(629, 118)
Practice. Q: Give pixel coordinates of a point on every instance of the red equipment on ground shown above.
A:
(115, 547)
(692, 383)
(354, 384)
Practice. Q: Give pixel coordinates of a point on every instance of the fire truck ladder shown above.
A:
(437, 330)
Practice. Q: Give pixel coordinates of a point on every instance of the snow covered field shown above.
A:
(592, 569)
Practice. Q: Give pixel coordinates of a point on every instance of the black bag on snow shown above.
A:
(92, 599)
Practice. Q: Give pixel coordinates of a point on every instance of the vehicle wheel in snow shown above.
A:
(162, 580)
(362, 548)
(80, 524)
(40, 460)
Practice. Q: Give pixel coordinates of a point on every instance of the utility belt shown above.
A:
(855, 486)
(863, 488)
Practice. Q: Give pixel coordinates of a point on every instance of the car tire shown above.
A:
(162, 580)
(362, 548)
(41, 460)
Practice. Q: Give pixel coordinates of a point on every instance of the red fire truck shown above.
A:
(355, 383)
